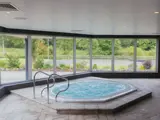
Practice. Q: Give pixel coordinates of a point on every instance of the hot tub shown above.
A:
(91, 89)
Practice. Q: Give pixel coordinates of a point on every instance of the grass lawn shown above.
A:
(15, 51)
(80, 54)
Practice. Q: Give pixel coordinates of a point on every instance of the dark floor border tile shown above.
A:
(125, 75)
(3, 91)
(5, 88)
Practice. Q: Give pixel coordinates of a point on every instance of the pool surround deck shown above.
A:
(112, 106)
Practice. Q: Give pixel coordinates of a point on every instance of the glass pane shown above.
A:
(82, 55)
(101, 54)
(146, 55)
(42, 55)
(124, 54)
(64, 55)
(12, 58)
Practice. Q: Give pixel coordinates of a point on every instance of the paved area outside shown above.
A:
(14, 107)
(17, 76)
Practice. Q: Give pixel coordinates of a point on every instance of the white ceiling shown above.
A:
(91, 16)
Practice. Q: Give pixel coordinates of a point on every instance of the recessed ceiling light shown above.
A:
(76, 30)
(20, 18)
(156, 12)
(8, 12)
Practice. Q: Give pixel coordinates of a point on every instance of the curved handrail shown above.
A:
(64, 89)
(49, 86)
(34, 81)
(46, 87)
(54, 77)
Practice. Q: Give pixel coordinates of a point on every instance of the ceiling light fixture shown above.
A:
(156, 12)
(76, 30)
(20, 18)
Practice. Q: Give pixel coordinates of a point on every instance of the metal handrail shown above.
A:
(34, 82)
(46, 87)
(64, 89)
(54, 78)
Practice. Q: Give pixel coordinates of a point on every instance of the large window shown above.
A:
(116, 55)
(42, 55)
(124, 55)
(12, 58)
(101, 54)
(146, 55)
(64, 55)
(82, 55)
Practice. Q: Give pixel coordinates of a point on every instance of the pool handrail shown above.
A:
(54, 81)
(64, 89)
(34, 82)
(53, 76)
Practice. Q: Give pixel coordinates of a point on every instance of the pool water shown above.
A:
(91, 89)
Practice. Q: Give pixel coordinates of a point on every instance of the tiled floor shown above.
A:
(14, 107)
(81, 108)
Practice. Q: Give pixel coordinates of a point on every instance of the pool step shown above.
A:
(114, 106)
